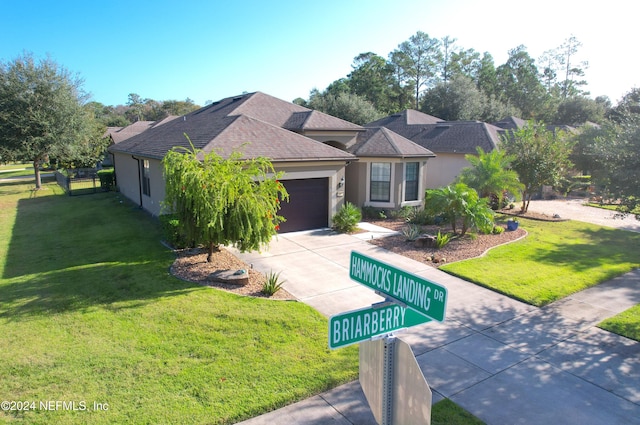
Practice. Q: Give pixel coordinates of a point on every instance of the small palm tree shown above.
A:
(490, 174)
(460, 202)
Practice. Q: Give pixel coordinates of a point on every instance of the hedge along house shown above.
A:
(390, 172)
(301, 142)
(450, 141)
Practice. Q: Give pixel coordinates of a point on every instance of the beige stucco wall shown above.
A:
(357, 182)
(128, 177)
(128, 180)
(443, 169)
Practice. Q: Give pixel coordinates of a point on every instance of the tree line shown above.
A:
(138, 108)
(440, 78)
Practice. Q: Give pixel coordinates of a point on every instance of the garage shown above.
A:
(308, 206)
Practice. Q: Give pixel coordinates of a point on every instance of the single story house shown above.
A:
(450, 141)
(313, 149)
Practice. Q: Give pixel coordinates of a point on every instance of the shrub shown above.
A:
(272, 284)
(346, 220)
(171, 231)
(411, 232)
(442, 239)
(107, 178)
(497, 230)
(422, 217)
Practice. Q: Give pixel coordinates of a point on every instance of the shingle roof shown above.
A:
(510, 123)
(382, 142)
(442, 136)
(131, 130)
(252, 123)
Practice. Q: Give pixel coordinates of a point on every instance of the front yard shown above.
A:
(89, 313)
(554, 260)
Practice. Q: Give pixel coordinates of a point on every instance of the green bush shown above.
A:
(411, 232)
(172, 233)
(442, 239)
(346, 220)
(422, 217)
(497, 230)
(107, 179)
(273, 283)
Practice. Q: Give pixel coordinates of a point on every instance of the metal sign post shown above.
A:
(393, 383)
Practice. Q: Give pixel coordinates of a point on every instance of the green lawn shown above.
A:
(16, 170)
(556, 259)
(90, 314)
(626, 323)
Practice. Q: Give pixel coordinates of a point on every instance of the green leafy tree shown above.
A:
(611, 154)
(460, 203)
(221, 201)
(458, 99)
(372, 79)
(490, 174)
(578, 110)
(519, 82)
(348, 106)
(541, 157)
(41, 111)
(89, 147)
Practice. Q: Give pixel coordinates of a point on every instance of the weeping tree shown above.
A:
(220, 201)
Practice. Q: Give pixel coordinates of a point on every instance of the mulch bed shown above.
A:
(191, 265)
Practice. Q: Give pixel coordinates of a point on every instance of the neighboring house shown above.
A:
(390, 172)
(120, 134)
(450, 141)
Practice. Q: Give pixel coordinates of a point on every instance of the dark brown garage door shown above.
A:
(308, 206)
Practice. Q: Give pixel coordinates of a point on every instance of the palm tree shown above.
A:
(460, 202)
(490, 174)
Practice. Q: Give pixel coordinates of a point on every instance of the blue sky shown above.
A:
(208, 50)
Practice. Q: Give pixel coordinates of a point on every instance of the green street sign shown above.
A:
(360, 325)
(415, 292)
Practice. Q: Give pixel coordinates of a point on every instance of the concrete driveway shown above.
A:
(575, 209)
(505, 361)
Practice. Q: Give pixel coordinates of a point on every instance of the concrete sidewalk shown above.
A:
(505, 361)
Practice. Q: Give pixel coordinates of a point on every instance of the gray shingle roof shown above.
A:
(252, 123)
(442, 136)
(382, 142)
(131, 130)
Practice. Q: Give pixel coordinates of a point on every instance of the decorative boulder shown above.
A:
(425, 241)
(235, 277)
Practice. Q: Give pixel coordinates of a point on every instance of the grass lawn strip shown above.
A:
(89, 313)
(626, 323)
(553, 261)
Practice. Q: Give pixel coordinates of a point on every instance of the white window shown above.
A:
(380, 187)
(411, 181)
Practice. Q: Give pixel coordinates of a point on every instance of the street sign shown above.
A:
(355, 326)
(418, 293)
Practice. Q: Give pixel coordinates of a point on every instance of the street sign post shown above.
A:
(355, 326)
(393, 383)
(415, 292)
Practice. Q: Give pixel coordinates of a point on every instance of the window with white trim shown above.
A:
(411, 181)
(380, 182)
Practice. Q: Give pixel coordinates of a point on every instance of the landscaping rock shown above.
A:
(236, 277)
(425, 241)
